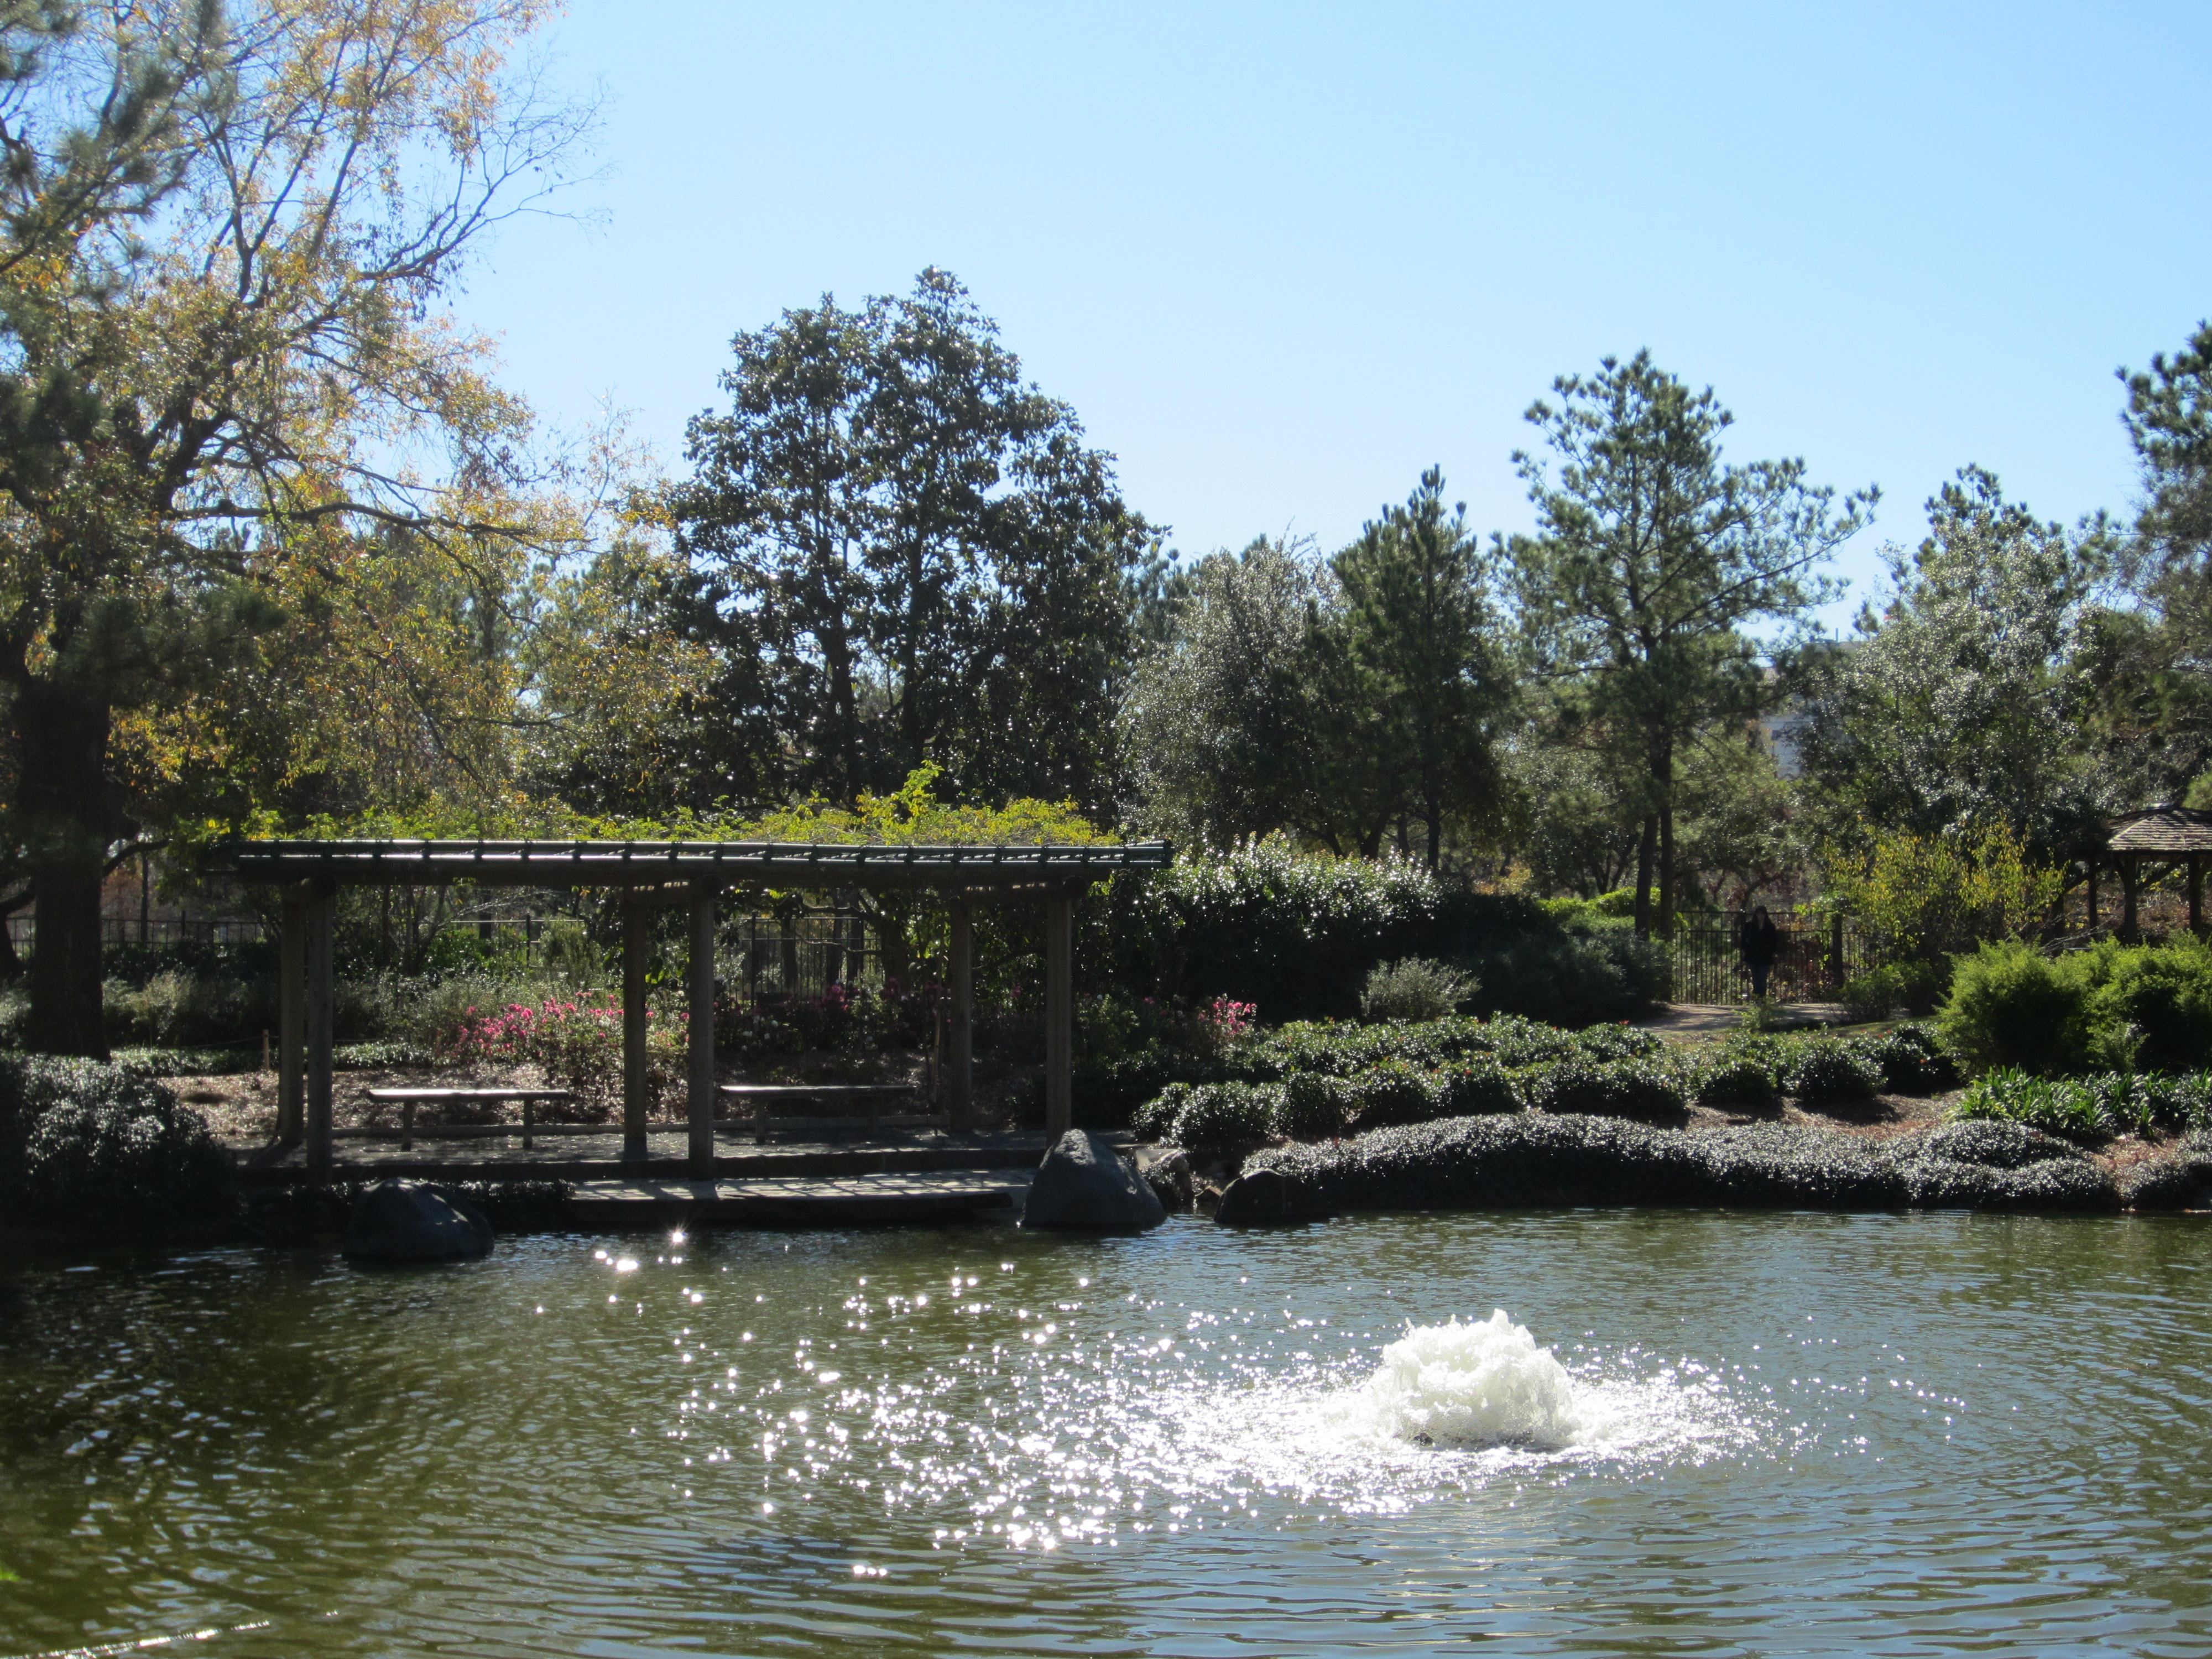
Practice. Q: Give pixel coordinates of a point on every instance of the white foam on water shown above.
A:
(1467, 1387)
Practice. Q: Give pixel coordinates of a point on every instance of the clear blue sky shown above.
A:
(1281, 258)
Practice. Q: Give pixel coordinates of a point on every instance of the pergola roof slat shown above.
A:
(621, 863)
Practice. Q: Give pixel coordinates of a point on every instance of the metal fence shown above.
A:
(803, 956)
(23, 933)
(1811, 960)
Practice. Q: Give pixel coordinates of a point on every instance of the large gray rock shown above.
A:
(407, 1221)
(2183, 1181)
(1167, 1171)
(1085, 1185)
(1267, 1198)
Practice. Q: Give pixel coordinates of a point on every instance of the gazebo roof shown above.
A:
(2164, 829)
(652, 863)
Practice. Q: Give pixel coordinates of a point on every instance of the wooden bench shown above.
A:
(764, 1097)
(408, 1099)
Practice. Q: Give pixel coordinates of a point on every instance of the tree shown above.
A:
(223, 254)
(1417, 625)
(2169, 421)
(1218, 721)
(906, 555)
(1652, 557)
(1961, 703)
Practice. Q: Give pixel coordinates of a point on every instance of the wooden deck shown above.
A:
(829, 1202)
(597, 1156)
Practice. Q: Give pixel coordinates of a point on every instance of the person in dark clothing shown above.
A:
(1759, 940)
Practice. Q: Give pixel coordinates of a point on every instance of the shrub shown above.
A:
(1619, 1043)
(1914, 987)
(2054, 1105)
(1735, 1080)
(1824, 1070)
(1572, 979)
(1413, 989)
(1913, 1061)
(1225, 1116)
(2012, 1006)
(1396, 1093)
(1316, 1107)
(578, 1044)
(2151, 1006)
(88, 1143)
(1475, 1088)
(1640, 1088)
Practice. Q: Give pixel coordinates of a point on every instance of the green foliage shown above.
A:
(1962, 702)
(176, 1008)
(2152, 1005)
(1293, 932)
(2012, 1006)
(1213, 1117)
(1916, 987)
(88, 1143)
(1648, 1091)
(1414, 989)
(1475, 1088)
(1316, 1106)
(1396, 1092)
(1831, 1073)
(1652, 558)
(1575, 978)
(2142, 1007)
(2055, 1105)
(1935, 896)
(1734, 1079)
(887, 504)
(1913, 1062)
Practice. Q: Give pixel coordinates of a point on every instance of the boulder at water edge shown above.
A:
(407, 1221)
(1266, 1196)
(1167, 1171)
(1085, 1185)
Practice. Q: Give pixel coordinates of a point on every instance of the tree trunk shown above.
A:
(1436, 815)
(1646, 845)
(62, 793)
(1667, 871)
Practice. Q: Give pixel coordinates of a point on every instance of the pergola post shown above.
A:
(322, 910)
(2128, 897)
(2197, 894)
(701, 1035)
(960, 1038)
(1059, 1011)
(2093, 893)
(291, 989)
(634, 915)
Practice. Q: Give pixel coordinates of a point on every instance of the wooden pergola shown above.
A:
(691, 873)
(2165, 834)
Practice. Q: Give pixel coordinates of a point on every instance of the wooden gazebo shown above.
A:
(693, 874)
(2162, 834)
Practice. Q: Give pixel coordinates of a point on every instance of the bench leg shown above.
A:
(528, 1114)
(407, 1125)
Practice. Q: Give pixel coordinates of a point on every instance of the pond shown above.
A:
(1776, 1433)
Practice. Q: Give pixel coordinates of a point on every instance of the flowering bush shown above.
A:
(1223, 1023)
(578, 1044)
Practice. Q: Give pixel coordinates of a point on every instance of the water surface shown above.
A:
(1791, 1434)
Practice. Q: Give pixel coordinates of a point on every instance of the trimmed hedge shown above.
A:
(1645, 1091)
(1299, 933)
(87, 1144)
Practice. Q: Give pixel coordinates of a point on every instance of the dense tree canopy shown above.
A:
(902, 553)
(1962, 703)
